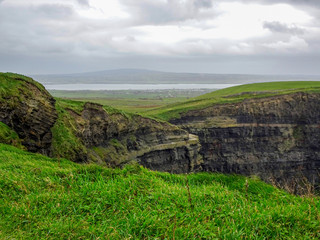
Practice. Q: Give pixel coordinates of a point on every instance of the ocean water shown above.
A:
(79, 87)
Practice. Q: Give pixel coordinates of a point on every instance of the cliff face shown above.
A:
(115, 138)
(276, 138)
(29, 110)
(87, 132)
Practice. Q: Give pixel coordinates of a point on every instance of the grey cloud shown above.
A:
(153, 12)
(84, 2)
(283, 28)
(314, 3)
(37, 29)
(203, 3)
(53, 38)
(54, 10)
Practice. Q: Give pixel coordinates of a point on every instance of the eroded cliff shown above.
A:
(27, 108)
(276, 138)
(87, 132)
(272, 134)
(105, 135)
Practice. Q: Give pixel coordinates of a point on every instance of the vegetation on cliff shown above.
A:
(44, 198)
(28, 109)
(12, 84)
(89, 132)
(8, 136)
(233, 95)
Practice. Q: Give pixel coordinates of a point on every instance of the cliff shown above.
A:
(276, 138)
(87, 132)
(91, 132)
(28, 109)
(271, 130)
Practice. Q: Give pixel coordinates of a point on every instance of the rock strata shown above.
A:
(276, 138)
(88, 132)
(115, 139)
(30, 112)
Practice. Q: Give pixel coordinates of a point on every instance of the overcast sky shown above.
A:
(213, 36)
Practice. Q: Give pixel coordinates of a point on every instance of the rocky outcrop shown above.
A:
(87, 132)
(29, 110)
(276, 138)
(115, 138)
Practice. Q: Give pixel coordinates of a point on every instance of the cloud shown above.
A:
(308, 3)
(170, 11)
(84, 2)
(283, 28)
(57, 11)
(164, 29)
(295, 44)
(203, 3)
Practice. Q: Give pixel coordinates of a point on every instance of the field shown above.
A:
(168, 104)
(43, 198)
(131, 100)
(233, 94)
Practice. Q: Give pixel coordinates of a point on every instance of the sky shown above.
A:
(209, 36)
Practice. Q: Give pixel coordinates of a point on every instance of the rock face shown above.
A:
(116, 138)
(276, 138)
(29, 110)
(87, 132)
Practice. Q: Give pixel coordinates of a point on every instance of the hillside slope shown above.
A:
(44, 198)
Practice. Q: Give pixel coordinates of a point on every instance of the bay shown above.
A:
(96, 87)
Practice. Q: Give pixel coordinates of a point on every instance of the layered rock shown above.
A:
(29, 110)
(87, 132)
(115, 138)
(276, 138)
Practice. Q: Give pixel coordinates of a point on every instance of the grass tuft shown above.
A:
(9, 136)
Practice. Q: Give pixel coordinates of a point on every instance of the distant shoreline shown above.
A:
(97, 87)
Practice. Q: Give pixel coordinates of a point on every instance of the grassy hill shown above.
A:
(234, 94)
(44, 198)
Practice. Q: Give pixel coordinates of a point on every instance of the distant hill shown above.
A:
(142, 76)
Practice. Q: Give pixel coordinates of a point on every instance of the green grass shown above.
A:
(133, 105)
(9, 136)
(232, 95)
(65, 143)
(10, 83)
(43, 198)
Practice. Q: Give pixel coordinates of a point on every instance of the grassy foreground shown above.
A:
(232, 95)
(43, 198)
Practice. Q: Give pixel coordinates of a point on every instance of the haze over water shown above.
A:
(79, 87)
